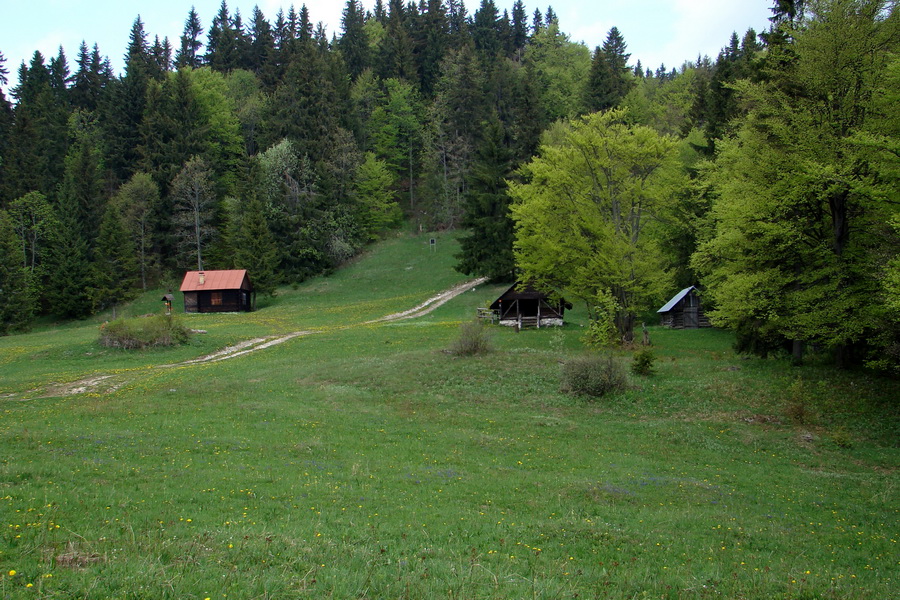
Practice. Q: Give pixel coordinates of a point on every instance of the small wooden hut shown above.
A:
(216, 291)
(684, 311)
(528, 307)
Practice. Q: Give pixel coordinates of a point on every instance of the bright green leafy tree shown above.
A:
(586, 212)
(806, 189)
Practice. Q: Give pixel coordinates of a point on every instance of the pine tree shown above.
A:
(82, 185)
(172, 129)
(354, 43)
(432, 45)
(488, 248)
(537, 22)
(160, 58)
(6, 118)
(125, 105)
(59, 77)
(254, 248)
(89, 81)
(68, 270)
(115, 268)
(19, 304)
(262, 43)
(395, 53)
(33, 159)
(486, 31)
(222, 44)
(188, 54)
(519, 27)
(3, 70)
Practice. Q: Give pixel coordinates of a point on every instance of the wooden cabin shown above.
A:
(684, 311)
(216, 291)
(528, 307)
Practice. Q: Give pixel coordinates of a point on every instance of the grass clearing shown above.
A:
(364, 461)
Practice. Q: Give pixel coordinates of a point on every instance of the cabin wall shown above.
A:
(217, 301)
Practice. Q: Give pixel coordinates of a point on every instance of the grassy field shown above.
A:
(364, 461)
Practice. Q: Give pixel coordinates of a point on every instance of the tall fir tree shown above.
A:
(68, 273)
(37, 138)
(354, 42)
(89, 80)
(487, 249)
(115, 268)
(124, 106)
(262, 43)
(19, 304)
(254, 248)
(431, 45)
(395, 53)
(188, 54)
(82, 189)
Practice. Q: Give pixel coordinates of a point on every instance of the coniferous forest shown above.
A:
(767, 175)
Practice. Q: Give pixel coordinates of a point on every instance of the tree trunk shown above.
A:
(797, 352)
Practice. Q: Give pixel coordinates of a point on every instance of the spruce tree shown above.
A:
(89, 81)
(115, 267)
(395, 53)
(262, 43)
(188, 54)
(254, 248)
(354, 42)
(432, 45)
(488, 248)
(125, 105)
(19, 305)
(68, 272)
(33, 159)
(519, 26)
(486, 30)
(222, 44)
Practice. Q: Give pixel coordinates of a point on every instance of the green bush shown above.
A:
(642, 362)
(144, 332)
(473, 339)
(593, 375)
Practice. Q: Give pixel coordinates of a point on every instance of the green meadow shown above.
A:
(362, 460)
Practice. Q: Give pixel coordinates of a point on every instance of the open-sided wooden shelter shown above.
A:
(216, 291)
(527, 307)
(684, 311)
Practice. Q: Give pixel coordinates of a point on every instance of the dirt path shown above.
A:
(99, 383)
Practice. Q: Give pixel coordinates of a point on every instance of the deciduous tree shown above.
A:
(585, 213)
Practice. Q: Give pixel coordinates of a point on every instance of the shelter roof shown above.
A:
(676, 299)
(528, 292)
(196, 281)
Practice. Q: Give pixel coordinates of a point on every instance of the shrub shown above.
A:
(473, 339)
(642, 362)
(144, 332)
(593, 375)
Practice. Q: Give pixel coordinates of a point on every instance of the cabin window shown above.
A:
(215, 298)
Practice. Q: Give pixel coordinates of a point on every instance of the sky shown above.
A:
(656, 31)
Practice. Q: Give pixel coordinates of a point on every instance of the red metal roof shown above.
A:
(215, 280)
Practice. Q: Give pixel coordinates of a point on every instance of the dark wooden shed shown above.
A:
(684, 311)
(216, 291)
(527, 306)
